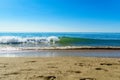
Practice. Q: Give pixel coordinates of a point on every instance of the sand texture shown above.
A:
(60, 68)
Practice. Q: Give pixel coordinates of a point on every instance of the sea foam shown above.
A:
(17, 40)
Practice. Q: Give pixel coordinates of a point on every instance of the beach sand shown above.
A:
(60, 68)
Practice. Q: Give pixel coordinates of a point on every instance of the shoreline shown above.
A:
(59, 68)
(86, 51)
(5, 48)
(72, 48)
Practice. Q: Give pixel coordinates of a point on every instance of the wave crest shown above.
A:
(17, 40)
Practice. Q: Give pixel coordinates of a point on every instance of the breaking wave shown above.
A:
(13, 43)
(18, 40)
(58, 41)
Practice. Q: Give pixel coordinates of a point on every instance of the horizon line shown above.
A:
(53, 32)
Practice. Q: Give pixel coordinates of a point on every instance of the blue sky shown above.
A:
(59, 15)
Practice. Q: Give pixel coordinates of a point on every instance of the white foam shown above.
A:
(53, 39)
(16, 40)
(8, 48)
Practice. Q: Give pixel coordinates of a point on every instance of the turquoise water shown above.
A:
(60, 39)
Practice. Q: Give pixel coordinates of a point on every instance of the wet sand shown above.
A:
(60, 68)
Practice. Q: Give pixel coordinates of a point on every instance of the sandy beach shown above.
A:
(59, 68)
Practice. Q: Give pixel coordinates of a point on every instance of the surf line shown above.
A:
(72, 48)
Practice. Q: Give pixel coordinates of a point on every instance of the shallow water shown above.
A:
(61, 53)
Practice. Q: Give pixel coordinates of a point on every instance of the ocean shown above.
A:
(11, 42)
(45, 39)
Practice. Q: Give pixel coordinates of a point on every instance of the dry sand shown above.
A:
(60, 68)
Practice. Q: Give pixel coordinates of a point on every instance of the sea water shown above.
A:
(59, 39)
(10, 43)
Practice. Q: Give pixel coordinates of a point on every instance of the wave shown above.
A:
(62, 40)
(61, 43)
(88, 41)
(58, 41)
(18, 40)
(66, 40)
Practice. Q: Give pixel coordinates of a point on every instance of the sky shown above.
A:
(59, 15)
